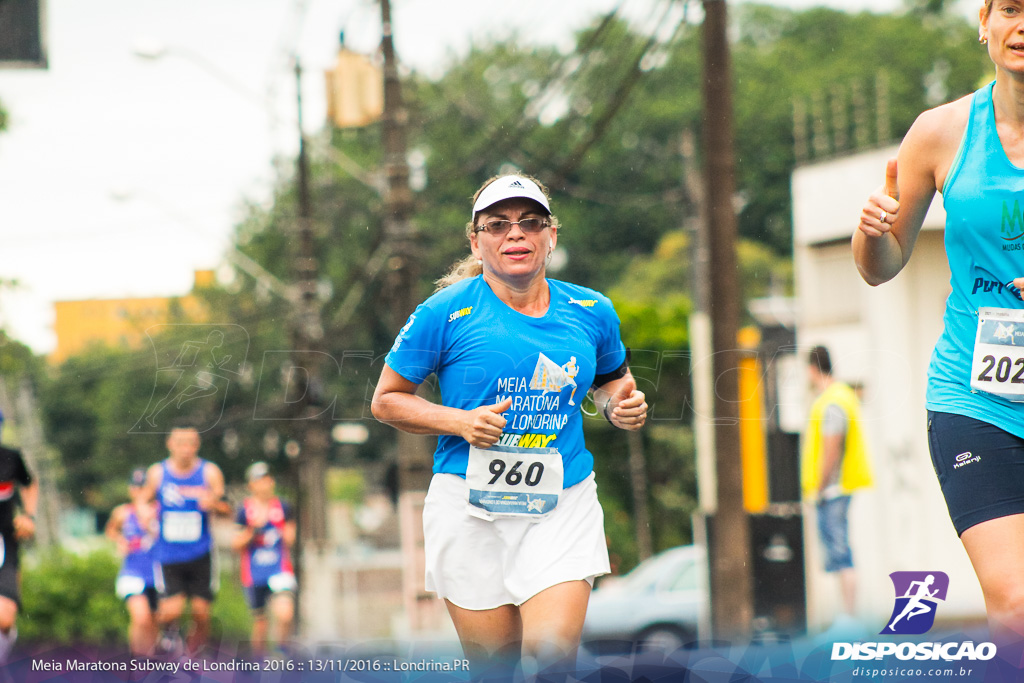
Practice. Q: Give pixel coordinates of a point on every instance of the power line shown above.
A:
(498, 145)
(618, 98)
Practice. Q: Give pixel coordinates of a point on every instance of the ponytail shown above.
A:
(466, 267)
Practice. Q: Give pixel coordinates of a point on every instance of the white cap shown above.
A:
(508, 187)
(257, 470)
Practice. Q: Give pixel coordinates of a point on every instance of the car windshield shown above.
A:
(672, 570)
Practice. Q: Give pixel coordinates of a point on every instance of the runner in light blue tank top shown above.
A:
(984, 200)
(972, 151)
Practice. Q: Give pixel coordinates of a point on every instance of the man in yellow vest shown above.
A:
(834, 464)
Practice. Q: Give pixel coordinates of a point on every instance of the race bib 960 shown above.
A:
(507, 481)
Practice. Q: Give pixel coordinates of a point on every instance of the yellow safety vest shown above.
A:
(855, 468)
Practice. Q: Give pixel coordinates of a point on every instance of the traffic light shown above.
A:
(355, 90)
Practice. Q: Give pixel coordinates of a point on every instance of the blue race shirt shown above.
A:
(984, 201)
(483, 351)
(139, 559)
(184, 527)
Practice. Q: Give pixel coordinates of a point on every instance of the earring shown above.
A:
(982, 38)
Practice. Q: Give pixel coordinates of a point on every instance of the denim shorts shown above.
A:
(833, 527)
(980, 468)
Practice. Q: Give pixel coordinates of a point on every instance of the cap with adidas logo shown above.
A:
(508, 187)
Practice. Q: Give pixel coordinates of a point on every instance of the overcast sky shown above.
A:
(120, 175)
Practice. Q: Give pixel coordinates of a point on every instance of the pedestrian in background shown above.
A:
(834, 464)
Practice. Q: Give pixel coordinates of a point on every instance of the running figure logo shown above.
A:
(193, 372)
(917, 596)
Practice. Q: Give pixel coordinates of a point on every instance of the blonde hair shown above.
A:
(470, 266)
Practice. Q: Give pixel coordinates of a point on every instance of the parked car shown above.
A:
(658, 605)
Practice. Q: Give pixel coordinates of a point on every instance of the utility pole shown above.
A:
(23, 412)
(311, 463)
(42, 463)
(700, 326)
(638, 479)
(731, 584)
(414, 455)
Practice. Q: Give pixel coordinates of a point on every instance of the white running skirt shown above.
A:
(478, 564)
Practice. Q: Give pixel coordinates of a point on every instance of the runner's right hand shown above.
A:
(883, 205)
(483, 425)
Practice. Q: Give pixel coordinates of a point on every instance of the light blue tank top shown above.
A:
(984, 201)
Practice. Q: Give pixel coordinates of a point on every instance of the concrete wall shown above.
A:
(881, 337)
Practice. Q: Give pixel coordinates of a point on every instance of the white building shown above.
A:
(882, 338)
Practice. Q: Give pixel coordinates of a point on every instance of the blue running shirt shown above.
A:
(984, 200)
(184, 527)
(139, 560)
(483, 351)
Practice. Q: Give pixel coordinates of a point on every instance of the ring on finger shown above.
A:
(882, 216)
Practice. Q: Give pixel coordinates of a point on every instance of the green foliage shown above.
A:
(16, 359)
(671, 477)
(94, 405)
(69, 599)
(230, 617)
(346, 484)
(782, 55)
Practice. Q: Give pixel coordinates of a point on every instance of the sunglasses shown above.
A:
(501, 227)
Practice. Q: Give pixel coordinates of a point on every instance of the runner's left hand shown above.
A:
(630, 407)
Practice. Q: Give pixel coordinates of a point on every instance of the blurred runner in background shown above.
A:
(16, 525)
(265, 536)
(134, 527)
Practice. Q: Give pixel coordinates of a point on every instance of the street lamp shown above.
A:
(235, 256)
(153, 50)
